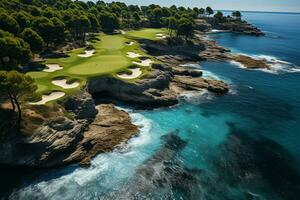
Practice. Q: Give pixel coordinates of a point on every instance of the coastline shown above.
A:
(73, 141)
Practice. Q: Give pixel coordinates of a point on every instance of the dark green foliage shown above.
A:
(219, 16)
(237, 15)
(14, 51)
(209, 11)
(109, 21)
(9, 24)
(45, 28)
(185, 27)
(17, 87)
(33, 39)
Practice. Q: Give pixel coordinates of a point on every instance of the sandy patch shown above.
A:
(52, 67)
(160, 36)
(63, 83)
(133, 55)
(136, 72)
(49, 97)
(130, 43)
(144, 63)
(88, 53)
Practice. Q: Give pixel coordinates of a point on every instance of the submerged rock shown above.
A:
(161, 175)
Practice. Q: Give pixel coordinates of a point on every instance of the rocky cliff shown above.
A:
(65, 139)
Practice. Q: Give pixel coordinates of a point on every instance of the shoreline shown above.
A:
(165, 85)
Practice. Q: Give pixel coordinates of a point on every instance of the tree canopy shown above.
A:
(16, 86)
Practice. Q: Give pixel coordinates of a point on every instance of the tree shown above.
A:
(237, 15)
(209, 11)
(172, 24)
(35, 41)
(45, 28)
(17, 87)
(201, 11)
(22, 18)
(156, 17)
(95, 25)
(81, 24)
(58, 31)
(185, 27)
(14, 51)
(9, 24)
(109, 22)
(219, 16)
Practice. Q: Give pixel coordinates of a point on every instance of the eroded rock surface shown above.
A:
(66, 140)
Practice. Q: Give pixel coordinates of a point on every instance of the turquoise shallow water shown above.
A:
(244, 145)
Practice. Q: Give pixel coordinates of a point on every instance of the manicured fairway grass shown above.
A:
(147, 33)
(110, 58)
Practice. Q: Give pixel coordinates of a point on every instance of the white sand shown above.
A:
(133, 55)
(63, 83)
(49, 97)
(130, 43)
(136, 72)
(160, 36)
(52, 68)
(88, 53)
(144, 63)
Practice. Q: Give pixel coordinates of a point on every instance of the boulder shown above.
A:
(82, 105)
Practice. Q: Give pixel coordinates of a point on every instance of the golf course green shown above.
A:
(109, 57)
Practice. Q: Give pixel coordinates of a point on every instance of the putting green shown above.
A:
(105, 64)
(110, 58)
(147, 33)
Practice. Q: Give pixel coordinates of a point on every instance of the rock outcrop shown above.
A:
(63, 140)
(110, 128)
(250, 63)
(82, 105)
(160, 88)
(232, 25)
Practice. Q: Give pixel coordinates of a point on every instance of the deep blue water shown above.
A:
(243, 145)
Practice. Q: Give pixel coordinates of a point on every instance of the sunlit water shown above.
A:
(244, 145)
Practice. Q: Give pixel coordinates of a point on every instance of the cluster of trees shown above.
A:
(27, 27)
(237, 15)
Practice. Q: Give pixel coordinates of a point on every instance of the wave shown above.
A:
(276, 65)
(74, 182)
(196, 97)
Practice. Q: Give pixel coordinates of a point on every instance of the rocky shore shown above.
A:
(62, 140)
(231, 25)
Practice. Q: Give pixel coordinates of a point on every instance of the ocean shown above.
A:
(242, 145)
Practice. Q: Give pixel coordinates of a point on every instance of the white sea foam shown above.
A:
(197, 97)
(218, 31)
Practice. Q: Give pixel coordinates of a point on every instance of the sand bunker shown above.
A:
(63, 83)
(52, 68)
(161, 36)
(144, 63)
(49, 97)
(130, 43)
(88, 53)
(136, 72)
(133, 55)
